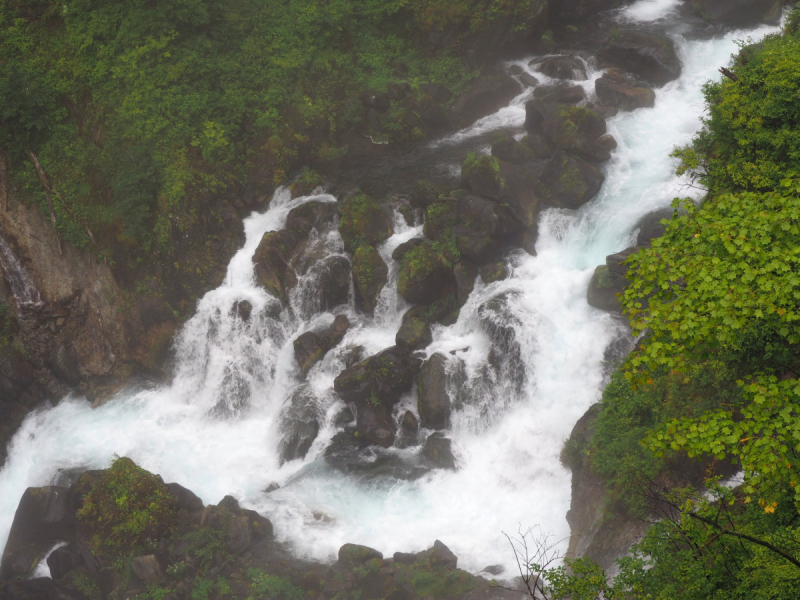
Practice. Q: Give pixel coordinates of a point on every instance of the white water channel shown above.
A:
(215, 428)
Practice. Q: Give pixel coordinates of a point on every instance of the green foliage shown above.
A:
(127, 508)
(273, 587)
(362, 222)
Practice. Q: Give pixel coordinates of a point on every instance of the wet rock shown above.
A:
(63, 560)
(243, 309)
(650, 226)
(487, 95)
(363, 222)
(444, 310)
(311, 215)
(616, 89)
(414, 334)
(512, 151)
(560, 93)
(562, 67)
(16, 374)
(652, 58)
(474, 245)
(433, 401)
(438, 451)
(604, 288)
(500, 323)
(370, 274)
(351, 453)
(42, 518)
(424, 275)
(527, 79)
(571, 181)
(186, 498)
(465, 273)
(505, 183)
(374, 386)
(238, 535)
(424, 193)
(271, 259)
(738, 12)
(64, 365)
(583, 9)
(441, 556)
(492, 272)
(333, 282)
(310, 347)
(299, 426)
(405, 247)
(148, 570)
(409, 430)
(538, 145)
(573, 129)
(272, 487)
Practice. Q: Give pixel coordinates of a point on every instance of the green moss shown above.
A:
(362, 222)
(440, 216)
(605, 279)
(273, 587)
(308, 180)
(127, 508)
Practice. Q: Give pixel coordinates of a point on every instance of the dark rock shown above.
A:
(299, 426)
(424, 193)
(238, 534)
(63, 560)
(64, 365)
(538, 145)
(377, 101)
(355, 555)
(272, 487)
(310, 347)
(561, 67)
(370, 274)
(363, 222)
(615, 262)
(560, 93)
(433, 401)
(441, 556)
(42, 518)
(272, 263)
(493, 272)
(474, 245)
(465, 273)
(186, 498)
(333, 282)
(493, 570)
(528, 80)
(570, 128)
(739, 13)
(436, 91)
(243, 309)
(512, 151)
(624, 92)
(652, 58)
(438, 451)
(583, 9)
(310, 215)
(409, 430)
(437, 311)
(42, 588)
(424, 275)
(608, 142)
(571, 181)
(604, 287)
(500, 323)
(401, 250)
(650, 226)
(486, 96)
(414, 334)
(16, 374)
(148, 570)
(440, 217)
(336, 331)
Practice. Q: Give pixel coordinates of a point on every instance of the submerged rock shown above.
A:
(414, 334)
(438, 450)
(560, 93)
(310, 347)
(617, 89)
(562, 67)
(570, 181)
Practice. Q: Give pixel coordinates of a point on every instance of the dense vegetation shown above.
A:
(715, 375)
(119, 118)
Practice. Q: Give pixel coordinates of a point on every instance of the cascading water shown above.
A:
(216, 428)
(19, 280)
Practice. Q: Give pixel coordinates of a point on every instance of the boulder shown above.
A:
(527, 79)
(242, 309)
(495, 271)
(271, 259)
(650, 226)
(433, 401)
(561, 67)
(63, 560)
(739, 13)
(440, 217)
(505, 183)
(652, 58)
(573, 129)
(370, 274)
(560, 93)
(186, 498)
(424, 193)
(148, 570)
(570, 181)
(486, 96)
(500, 323)
(538, 145)
(512, 151)
(475, 245)
(42, 518)
(438, 451)
(333, 282)
(465, 273)
(414, 334)
(424, 275)
(310, 215)
(363, 222)
(310, 347)
(403, 248)
(16, 374)
(443, 310)
(604, 288)
(409, 430)
(621, 91)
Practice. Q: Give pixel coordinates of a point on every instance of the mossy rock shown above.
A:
(443, 310)
(492, 272)
(481, 174)
(306, 182)
(363, 222)
(571, 181)
(440, 217)
(424, 275)
(370, 274)
(604, 289)
(424, 193)
(512, 151)
(414, 334)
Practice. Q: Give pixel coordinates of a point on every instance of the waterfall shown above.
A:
(216, 428)
(19, 280)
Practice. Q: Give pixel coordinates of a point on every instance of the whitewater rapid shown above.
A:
(215, 428)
